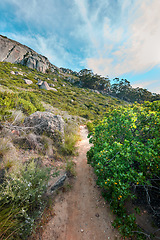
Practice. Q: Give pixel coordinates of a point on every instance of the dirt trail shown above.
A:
(81, 213)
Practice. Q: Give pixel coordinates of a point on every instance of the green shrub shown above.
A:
(90, 126)
(70, 139)
(21, 198)
(31, 97)
(126, 155)
(26, 106)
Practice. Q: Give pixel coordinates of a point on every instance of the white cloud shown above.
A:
(50, 47)
(153, 85)
(110, 37)
(145, 84)
(135, 45)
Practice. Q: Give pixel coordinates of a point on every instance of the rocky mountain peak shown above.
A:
(14, 52)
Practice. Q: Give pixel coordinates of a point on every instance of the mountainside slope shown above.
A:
(14, 52)
(62, 94)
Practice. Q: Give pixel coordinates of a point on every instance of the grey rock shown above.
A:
(46, 122)
(51, 85)
(59, 183)
(19, 73)
(45, 85)
(27, 81)
(53, 89)
(14, 52)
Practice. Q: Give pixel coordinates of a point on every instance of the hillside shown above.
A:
(63, 94)
(14, 52)
(39, 118)
(41, 110)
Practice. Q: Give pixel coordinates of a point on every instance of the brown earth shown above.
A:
(81, 213)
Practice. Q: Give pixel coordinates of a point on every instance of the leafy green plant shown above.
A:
(21, 198)
(90, 126)
(126, 155)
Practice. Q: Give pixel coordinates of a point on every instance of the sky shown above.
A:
(115, 38)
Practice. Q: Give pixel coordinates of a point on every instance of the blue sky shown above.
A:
(115, 38)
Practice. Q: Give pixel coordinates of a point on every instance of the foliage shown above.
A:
(71, 137)
(126, 155)
(70, 98)
(70, 169)
(94, 81)
(21, 198)
(90, 126)
(27, 102)
(123, 90)
(31, 97)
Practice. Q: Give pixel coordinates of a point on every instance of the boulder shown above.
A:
(47, 123)
(45, 85)
(27, 81)
(53, 89)
(18, 73)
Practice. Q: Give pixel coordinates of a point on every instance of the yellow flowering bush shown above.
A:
(126, 146)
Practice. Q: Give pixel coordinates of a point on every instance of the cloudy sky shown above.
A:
(118, 38)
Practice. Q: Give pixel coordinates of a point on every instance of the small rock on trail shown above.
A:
(81, 213)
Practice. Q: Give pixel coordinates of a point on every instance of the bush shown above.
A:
(71, 137)
(90, 126)
(21, 198)
(31, 97)
(126, 155)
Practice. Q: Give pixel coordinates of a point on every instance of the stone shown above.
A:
(18, 73)
(59, 183)
(53, 89)
(52, 85)
(12, 72)
(14, 52)
(27, 81)
(48, 123)
(45, 85)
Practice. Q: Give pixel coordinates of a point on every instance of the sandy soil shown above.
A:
(81, 213)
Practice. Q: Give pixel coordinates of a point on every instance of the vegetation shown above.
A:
(123, 90)
(21, 199)
(126, 157)
(126, 143)
(76, 101)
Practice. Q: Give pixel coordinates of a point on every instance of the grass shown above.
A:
(70, 168)
(76, 101)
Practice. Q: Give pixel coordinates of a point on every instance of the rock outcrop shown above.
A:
(14, 52)
(44, 85)
(48, 123)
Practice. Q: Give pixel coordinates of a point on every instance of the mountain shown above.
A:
(14, 52)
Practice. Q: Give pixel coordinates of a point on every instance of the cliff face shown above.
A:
(14, 52)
